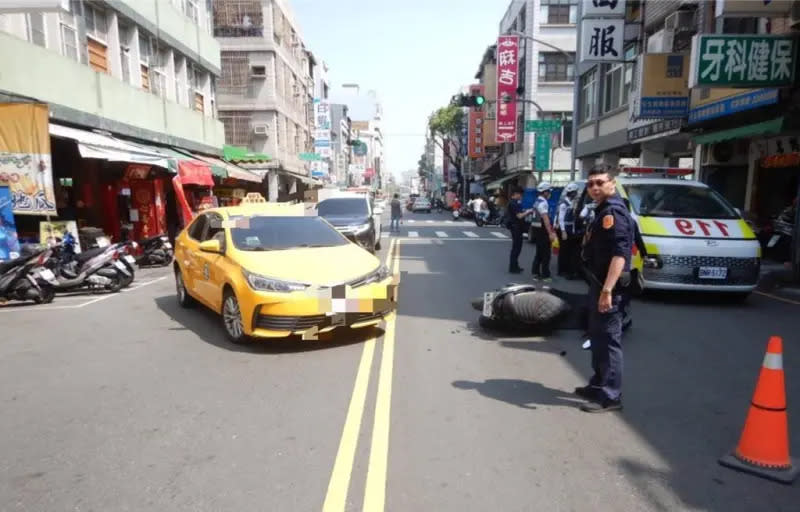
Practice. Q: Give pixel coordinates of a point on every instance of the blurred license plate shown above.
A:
(130, 259)
(168, 245)
(773, 241)
(488, 299)
(712, 273)
(120, 265)
(47, 275)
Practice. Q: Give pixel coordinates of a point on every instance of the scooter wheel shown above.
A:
(488, 323)
(116, 284)
(46, 295)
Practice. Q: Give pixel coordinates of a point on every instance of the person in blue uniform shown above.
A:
(543, 233)
(607, 256)
(516, 224)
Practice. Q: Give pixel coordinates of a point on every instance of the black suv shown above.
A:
(355, 218)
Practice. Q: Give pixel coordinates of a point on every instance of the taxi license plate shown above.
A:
(130, 259)
(488, 300)
(712, 273)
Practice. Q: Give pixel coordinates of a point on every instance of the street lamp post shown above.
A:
(570, 59)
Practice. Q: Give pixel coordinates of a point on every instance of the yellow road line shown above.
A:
(336, 497)
(375, 491)
(788, 301)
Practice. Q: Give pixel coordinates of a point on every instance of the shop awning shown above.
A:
(240, 154)
(499, 183)
(750, 130)
(231, 171)
(106, 147)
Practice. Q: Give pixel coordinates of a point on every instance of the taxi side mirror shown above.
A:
(213, 246)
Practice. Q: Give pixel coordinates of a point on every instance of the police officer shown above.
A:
(607, 254)
(543, 232)
(516, 224)
(569, 250)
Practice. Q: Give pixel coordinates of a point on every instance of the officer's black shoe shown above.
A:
(605, 405)
(587, 392)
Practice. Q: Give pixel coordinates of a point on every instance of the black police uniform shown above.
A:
(610, 234)
(517, 227)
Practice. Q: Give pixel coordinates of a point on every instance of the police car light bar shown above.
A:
(664, 171)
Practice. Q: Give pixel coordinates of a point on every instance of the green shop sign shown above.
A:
(747, 61)
(542, 125)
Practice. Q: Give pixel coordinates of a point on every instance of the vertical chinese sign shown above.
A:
(322, 137)
(475, 135)
(507, 83)
(25, 162)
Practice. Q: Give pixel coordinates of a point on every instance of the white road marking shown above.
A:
(448, 222)
(429, 221)
(384, 234)
(499, 234)
(411, 221)
(413, 234)
(470, 234)
(442, 234)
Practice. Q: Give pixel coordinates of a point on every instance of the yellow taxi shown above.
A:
(273, 270)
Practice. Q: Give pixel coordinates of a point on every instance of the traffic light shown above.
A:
(469, 100)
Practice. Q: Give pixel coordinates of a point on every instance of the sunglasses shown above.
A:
(596, 183)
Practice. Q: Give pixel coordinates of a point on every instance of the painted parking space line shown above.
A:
(442, 234)
(429, 221)
(413, 234)
(499, 234)
(471, 234)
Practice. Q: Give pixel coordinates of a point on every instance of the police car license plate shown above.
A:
(712, 273)
(488, 299)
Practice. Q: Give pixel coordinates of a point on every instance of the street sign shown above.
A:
(747, 61)
(542, 151)
(310, 157)
(542, 125)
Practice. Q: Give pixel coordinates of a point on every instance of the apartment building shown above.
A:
(266, 89)
(546, 79)
(341, 149)
(366, 132)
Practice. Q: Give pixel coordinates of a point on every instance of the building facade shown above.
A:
(367, 160)
(341, 149)
(547, 30)
(266, 89)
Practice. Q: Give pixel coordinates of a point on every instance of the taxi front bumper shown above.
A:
(307, 313)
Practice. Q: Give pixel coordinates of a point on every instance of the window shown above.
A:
(278, 127)
(125, 52)
(555, 67)
(97, 32)
(196, 81)
(69, 32)
(238, 18)
(588, 94)
(237, 127)
(277, 24)
(559, 12)
(36, 33)
(158, 72)
(235, 77)
(617, 81)
(145, 58)
(280, 233)
(191, 10)
(679, 201)
(180, 80)
(563, 137)
(197, 229)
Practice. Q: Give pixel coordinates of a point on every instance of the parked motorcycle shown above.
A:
(23, 279)
(155, 251)
(456, 213)
(779, 245)
(93, 269)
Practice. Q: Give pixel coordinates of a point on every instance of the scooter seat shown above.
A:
(89, 254)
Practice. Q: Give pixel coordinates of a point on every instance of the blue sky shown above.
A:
(414, 53)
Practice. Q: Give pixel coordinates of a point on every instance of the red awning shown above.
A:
(195, 172)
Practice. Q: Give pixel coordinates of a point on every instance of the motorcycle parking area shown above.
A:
(77, 300)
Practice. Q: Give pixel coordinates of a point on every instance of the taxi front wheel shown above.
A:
(184, 299)
(232, 318)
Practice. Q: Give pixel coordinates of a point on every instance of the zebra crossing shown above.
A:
(426, 232)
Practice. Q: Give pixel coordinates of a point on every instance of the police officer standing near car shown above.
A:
(569, 243)
(543, 233)
(607, 255)
(516, 224)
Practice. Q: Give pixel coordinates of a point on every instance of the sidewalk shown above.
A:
(776, 279)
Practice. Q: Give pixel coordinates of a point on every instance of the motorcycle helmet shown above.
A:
(544, 187)
(571, 188)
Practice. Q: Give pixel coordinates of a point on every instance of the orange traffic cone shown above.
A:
(763, 449)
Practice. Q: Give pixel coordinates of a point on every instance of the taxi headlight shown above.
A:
(379, 275)
(269, 284)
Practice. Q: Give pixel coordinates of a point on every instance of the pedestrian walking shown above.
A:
(516, 224)
(569, 242)
(543, 233)
(397, 213)
(607, 255)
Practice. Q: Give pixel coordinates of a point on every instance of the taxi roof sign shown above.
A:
(253, 198)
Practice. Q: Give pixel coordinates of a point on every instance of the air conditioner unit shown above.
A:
(258, 71)
(261, 129)
(681, 21)
(794, 15)
(725, 154)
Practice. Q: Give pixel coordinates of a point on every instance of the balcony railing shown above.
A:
(238, 31)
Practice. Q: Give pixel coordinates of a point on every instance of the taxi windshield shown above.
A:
(662, 200)
(262, 233)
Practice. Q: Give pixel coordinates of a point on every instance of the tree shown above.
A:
(447, 122)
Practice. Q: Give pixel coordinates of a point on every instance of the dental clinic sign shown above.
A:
(746, 61)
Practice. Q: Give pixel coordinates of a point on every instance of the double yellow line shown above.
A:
(375, 490)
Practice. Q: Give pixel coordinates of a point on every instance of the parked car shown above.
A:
(422, 204)
(354, 217)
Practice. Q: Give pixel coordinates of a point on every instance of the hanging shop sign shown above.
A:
(604, 8)
(507, 83)
(52, 233)
(779, 152)
(25, 161)
(766, 8)
(602, 40)
(663, 91)
(9, 243)
(749, 61)
(543, 145)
